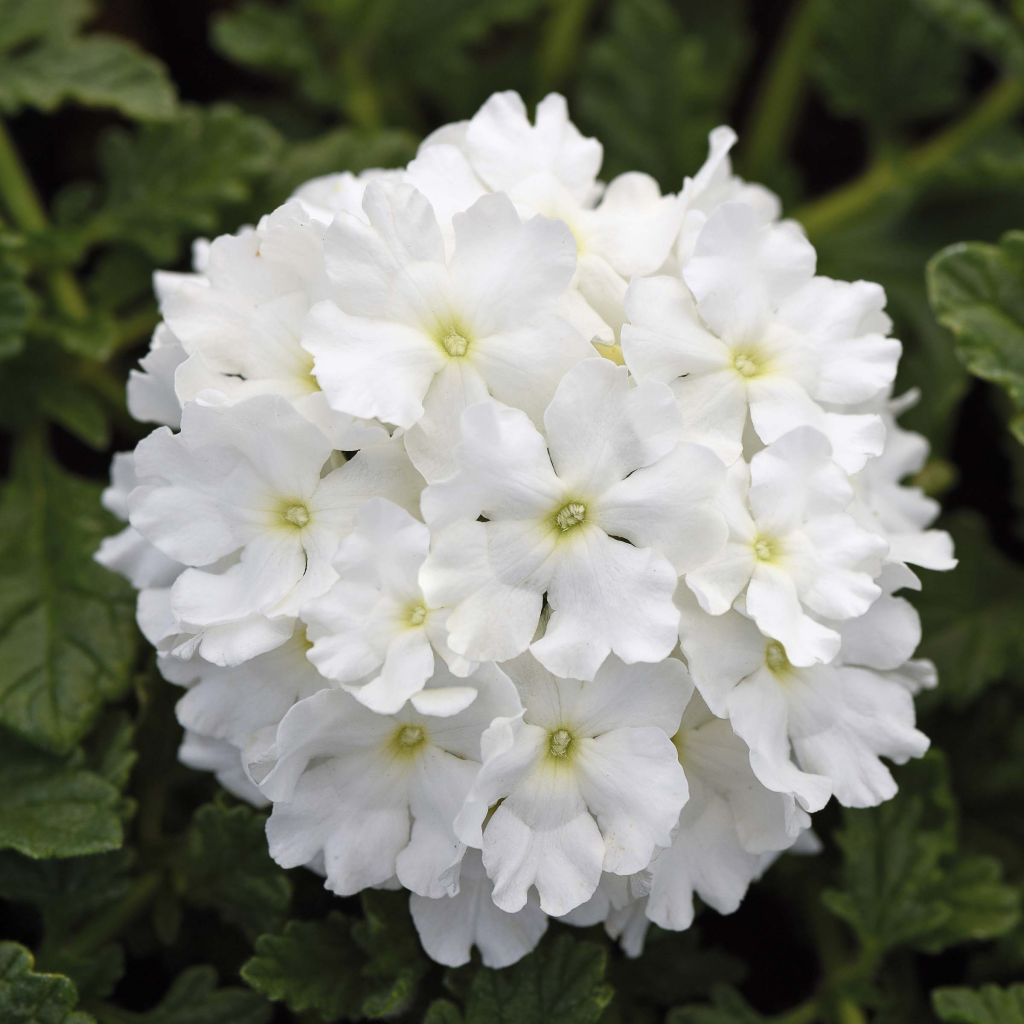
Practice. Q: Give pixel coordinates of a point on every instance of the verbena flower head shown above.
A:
(529, 543)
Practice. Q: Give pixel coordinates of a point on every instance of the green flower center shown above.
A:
(775, 657)
(409, 739)
(416, 615)
(297, 515)
(455, 344)
(569, 515)
(559, 743)
(765, 549)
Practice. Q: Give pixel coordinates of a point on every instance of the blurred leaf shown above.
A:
(971, 617)
(987, 1005)
(978, 24)
(163, 183)
(16, 304)
(658, 121)
(226, 867)
(903, 881)
(30, 998)
(727, 1007)
(375, 60)
(67, 633)
(68, 893)
(869, 63)
(344, 149)
(563, 980)
(52, 807)
(194, 998)
(95, 71)
(977, 291)
(22, 22)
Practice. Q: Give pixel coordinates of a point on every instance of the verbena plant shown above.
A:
(133, 889)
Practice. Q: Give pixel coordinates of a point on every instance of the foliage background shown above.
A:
(131, 891)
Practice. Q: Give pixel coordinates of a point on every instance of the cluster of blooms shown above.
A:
(527, 542)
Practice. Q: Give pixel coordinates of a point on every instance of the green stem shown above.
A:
(109, 925)
(771, 118)
(27, 212)
(561, 40)
(888, 174)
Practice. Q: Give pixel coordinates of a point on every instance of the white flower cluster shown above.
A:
(529, 543)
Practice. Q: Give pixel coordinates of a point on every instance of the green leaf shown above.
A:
(22, 22)
(167, 182)
(971, 617)
(68, 894)
(977, 291)
(67, 633)
(94, 71)
(658, 121)
(989, 1004)
(51, 807)
(30, 998)
(311, 965)
(870, 56)
(226, 867)
(727, 1007)
(340, 968)
(16, 306)
(976, 23)
(194, 998)
(344, 149)
(367, 60)
(903, 881)
(562, 980)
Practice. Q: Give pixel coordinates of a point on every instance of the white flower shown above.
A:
(483, 414)
(373, 630)
(587, 779)
(622, 230)
(151, 394)
(450, 926)
(715, 184)
(900, 513)
(751, 332)
(601, 516)
(505, 150)
(243, 705)
(377, 794)
(729, 831)
(128, 552)
(413, 336)
(238, 497)
(793, 552)
(818, 730)
(207, 754)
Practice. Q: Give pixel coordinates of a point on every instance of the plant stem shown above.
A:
(771, 116)
(887, 174)
(108, 925)
(562, 40)
(27, 212)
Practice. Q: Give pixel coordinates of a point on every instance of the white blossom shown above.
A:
(526, 542)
